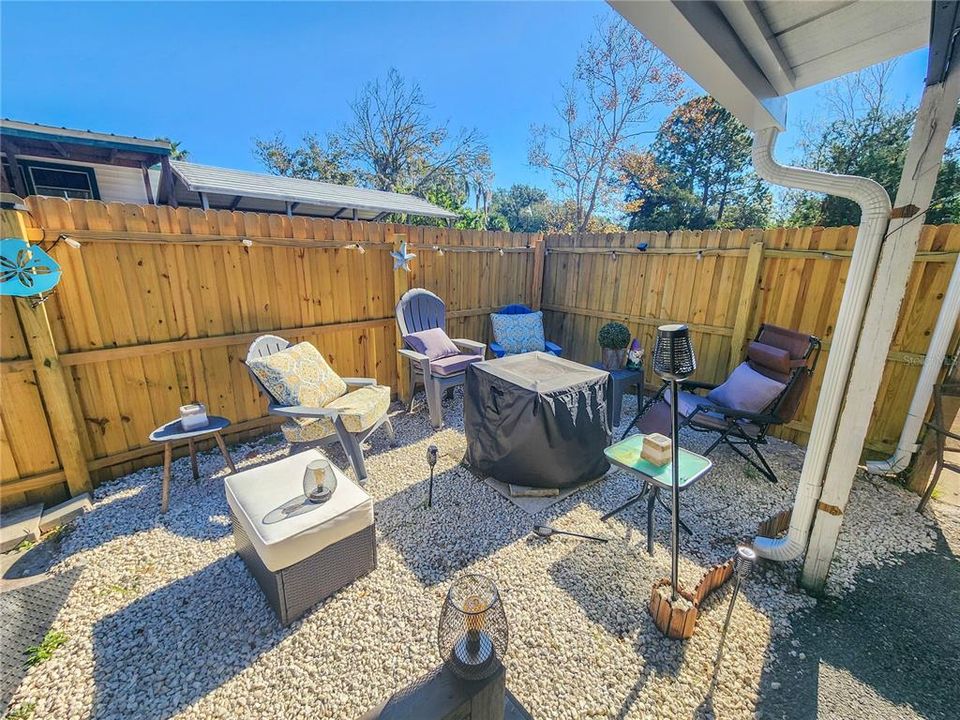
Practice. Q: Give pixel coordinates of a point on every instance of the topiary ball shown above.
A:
(614, 335)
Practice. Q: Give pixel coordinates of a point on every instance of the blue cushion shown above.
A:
(519, 333)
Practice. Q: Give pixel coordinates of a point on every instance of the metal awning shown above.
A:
(749, 54)
(214, 187)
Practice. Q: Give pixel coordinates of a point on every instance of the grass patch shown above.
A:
(38, 654)
(23, 711)
(25, 545)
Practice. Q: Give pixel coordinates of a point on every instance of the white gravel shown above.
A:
(166, 621)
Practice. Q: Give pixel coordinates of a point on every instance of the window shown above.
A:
(66, 181)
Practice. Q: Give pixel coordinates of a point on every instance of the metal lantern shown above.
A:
(673, 360)
(673, 357)
(472, 635)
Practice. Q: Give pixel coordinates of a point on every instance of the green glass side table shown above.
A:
(626, 455)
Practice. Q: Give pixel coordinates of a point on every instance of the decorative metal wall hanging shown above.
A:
(26, 270)
(402, 258)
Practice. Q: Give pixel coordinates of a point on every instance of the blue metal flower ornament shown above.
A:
(26, 270)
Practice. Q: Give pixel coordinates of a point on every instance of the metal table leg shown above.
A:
(683, 525)
(635, 499)
(651, 506)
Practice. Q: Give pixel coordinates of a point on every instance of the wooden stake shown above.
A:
(50, 378)
(748, 292)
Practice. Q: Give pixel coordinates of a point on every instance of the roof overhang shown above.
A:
(36, 133)
(244, 190)
(750, 54)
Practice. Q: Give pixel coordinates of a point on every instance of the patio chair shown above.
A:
(938, 426)
(319, 406)
(436, 365)
(516, 332)
(764, 391)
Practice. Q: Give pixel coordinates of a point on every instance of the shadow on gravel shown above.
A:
(167, 650)
(898, 633)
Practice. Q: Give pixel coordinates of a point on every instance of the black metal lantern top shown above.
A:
(472, 635)
(673, 354)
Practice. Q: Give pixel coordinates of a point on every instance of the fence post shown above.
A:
(536, 291)
(50, 379)
(748, 291)
(401, 283)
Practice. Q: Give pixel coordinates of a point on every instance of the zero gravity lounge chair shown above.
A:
(433, 360)
(318, 404)
(764, 391)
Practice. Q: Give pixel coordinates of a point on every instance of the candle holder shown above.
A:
(319, 481)
(472, 633)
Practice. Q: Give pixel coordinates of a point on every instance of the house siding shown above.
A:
(116, 184)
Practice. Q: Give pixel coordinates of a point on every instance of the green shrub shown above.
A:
(614, 335)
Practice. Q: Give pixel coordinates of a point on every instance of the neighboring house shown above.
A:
(47, 160)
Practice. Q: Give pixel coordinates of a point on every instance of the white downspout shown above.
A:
(939, 343)
(875, 213)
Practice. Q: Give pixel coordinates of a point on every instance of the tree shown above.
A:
(619, 78)
(397, 147)
(312, 159)
(865, 133)
(524, 208)
(698, 175)
(176, 150)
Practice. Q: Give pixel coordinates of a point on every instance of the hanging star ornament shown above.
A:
(402, 258)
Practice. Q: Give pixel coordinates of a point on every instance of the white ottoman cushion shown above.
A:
(283, 526)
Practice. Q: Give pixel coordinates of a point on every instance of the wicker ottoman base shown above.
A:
(293, 590)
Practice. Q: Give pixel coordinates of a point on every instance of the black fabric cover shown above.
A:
(536, 419)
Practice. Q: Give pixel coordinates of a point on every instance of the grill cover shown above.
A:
(536, 419)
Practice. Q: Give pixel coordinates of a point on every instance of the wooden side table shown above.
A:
(173, 432)
(620, 381)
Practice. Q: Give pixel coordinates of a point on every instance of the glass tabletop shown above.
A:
(626, 454)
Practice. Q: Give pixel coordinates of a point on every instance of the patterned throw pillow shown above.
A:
(519, 333)
(299, 375)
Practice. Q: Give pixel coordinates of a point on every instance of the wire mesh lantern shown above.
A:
(673, 357)
(472, 635)
(673, 360)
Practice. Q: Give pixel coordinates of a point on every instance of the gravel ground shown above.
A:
(165, 621)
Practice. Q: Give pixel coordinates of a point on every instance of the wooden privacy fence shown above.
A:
(724, 284)
(158, 306)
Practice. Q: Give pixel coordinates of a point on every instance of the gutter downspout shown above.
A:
(936, 353)
(875, 214)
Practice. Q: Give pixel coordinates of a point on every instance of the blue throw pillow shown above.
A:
(519, 333)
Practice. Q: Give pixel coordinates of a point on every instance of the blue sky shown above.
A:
(216, 75)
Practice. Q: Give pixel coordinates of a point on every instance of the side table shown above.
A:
(173, 432)
(626, 455)
(620, 381)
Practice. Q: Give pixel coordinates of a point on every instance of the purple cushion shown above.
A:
(769, 357)
(433, 343)
(452, 364)
(746, 389)
(688, 402)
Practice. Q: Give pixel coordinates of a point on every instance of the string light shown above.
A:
(358, 247)
(613, 255)
(699, 255)
(247, 242)
(72, 242)
(500, 251)
(438, 250)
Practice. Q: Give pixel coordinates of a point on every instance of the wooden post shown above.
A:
(50, 378)
(146, 182)
(748, 293)
(536, 291)
(401, 283)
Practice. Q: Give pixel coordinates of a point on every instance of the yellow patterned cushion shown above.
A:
(299, 375)
(360, 409)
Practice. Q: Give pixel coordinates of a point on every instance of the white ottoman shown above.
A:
(299, 552)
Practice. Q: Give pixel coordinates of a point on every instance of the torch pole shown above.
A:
(675, 463)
